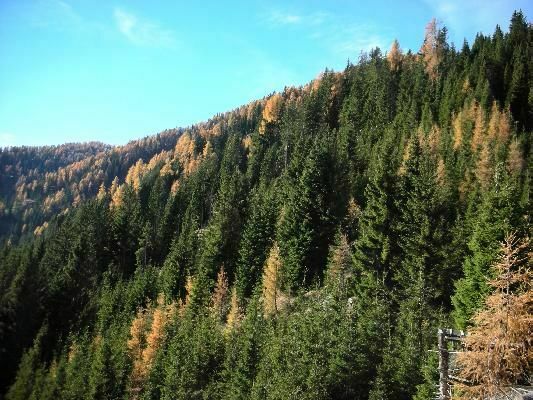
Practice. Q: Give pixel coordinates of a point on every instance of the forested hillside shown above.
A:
(37, 183)
(304, 246)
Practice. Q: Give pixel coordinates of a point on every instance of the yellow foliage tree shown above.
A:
(220, 294)
(247, 142)
(272, 111)
(135, 346)
(494, 122)
(515, 159)
(504, 127)
(145, 340)
(135, 174)
(189, 284)
(115, 192)
(183, 146)
(394, 56)
(166, 169)
(117, 198)
(484, 166)
(354, 211)
(101, 192)
(162, 314)
(208, 149)
(431, 140)
(234, 315)
(467, 88)
(271, 282)
(114, 186)
(405, 158)
(457, 124)
(441, 173)
(431, 51)
(185, 153)
(272, 108)
(498, 347)
(479, 128)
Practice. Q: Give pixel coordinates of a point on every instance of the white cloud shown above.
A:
(285, 19)
(338, 34)
(482, 16)
(55, 14)
(348, 40)
(142, 32)
(60, 16)
(277, 17)
(7, 139)
(357, 39)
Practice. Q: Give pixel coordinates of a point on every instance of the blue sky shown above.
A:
(113, 71)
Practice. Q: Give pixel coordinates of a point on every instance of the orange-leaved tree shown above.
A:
(498, 350)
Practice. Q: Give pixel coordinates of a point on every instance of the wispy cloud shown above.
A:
(338, 34)
(61, 16)
(481, 17)
(278, 17)
(351, 40)
(54, 14)
(7, 139)
(142, 32)
(285, 19)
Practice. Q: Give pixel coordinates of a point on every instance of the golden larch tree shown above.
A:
(457, 125)
(166, 169)
(504, 127)
(146, 336)
(161, 315)
(434, 139)
(135, 174)
(175, 186)
(220, 294)
(499, 345)
(271, 282)
(101, 192)
(135, 346)
(184, 151)
(394, 56)
(353, 212)
(405, 158)
(235, 314)
(440, 176)
(114, 186)
(484, 168)
(494, 122)
(118, 196)
(431, 51)
(479, 128)
(207, 150)
(515, 159)
(115, 191)
(272, 111)
(189, 286)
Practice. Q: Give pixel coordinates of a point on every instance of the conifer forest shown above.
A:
(307, 245)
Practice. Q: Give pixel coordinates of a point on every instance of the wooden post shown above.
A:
(444, 387)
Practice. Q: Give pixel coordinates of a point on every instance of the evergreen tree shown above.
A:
(243, 353)
(496, 347)
(498, 212)
(257, 237)
(346, 220)
(306, 227)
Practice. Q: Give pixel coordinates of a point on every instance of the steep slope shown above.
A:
(306, 245)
